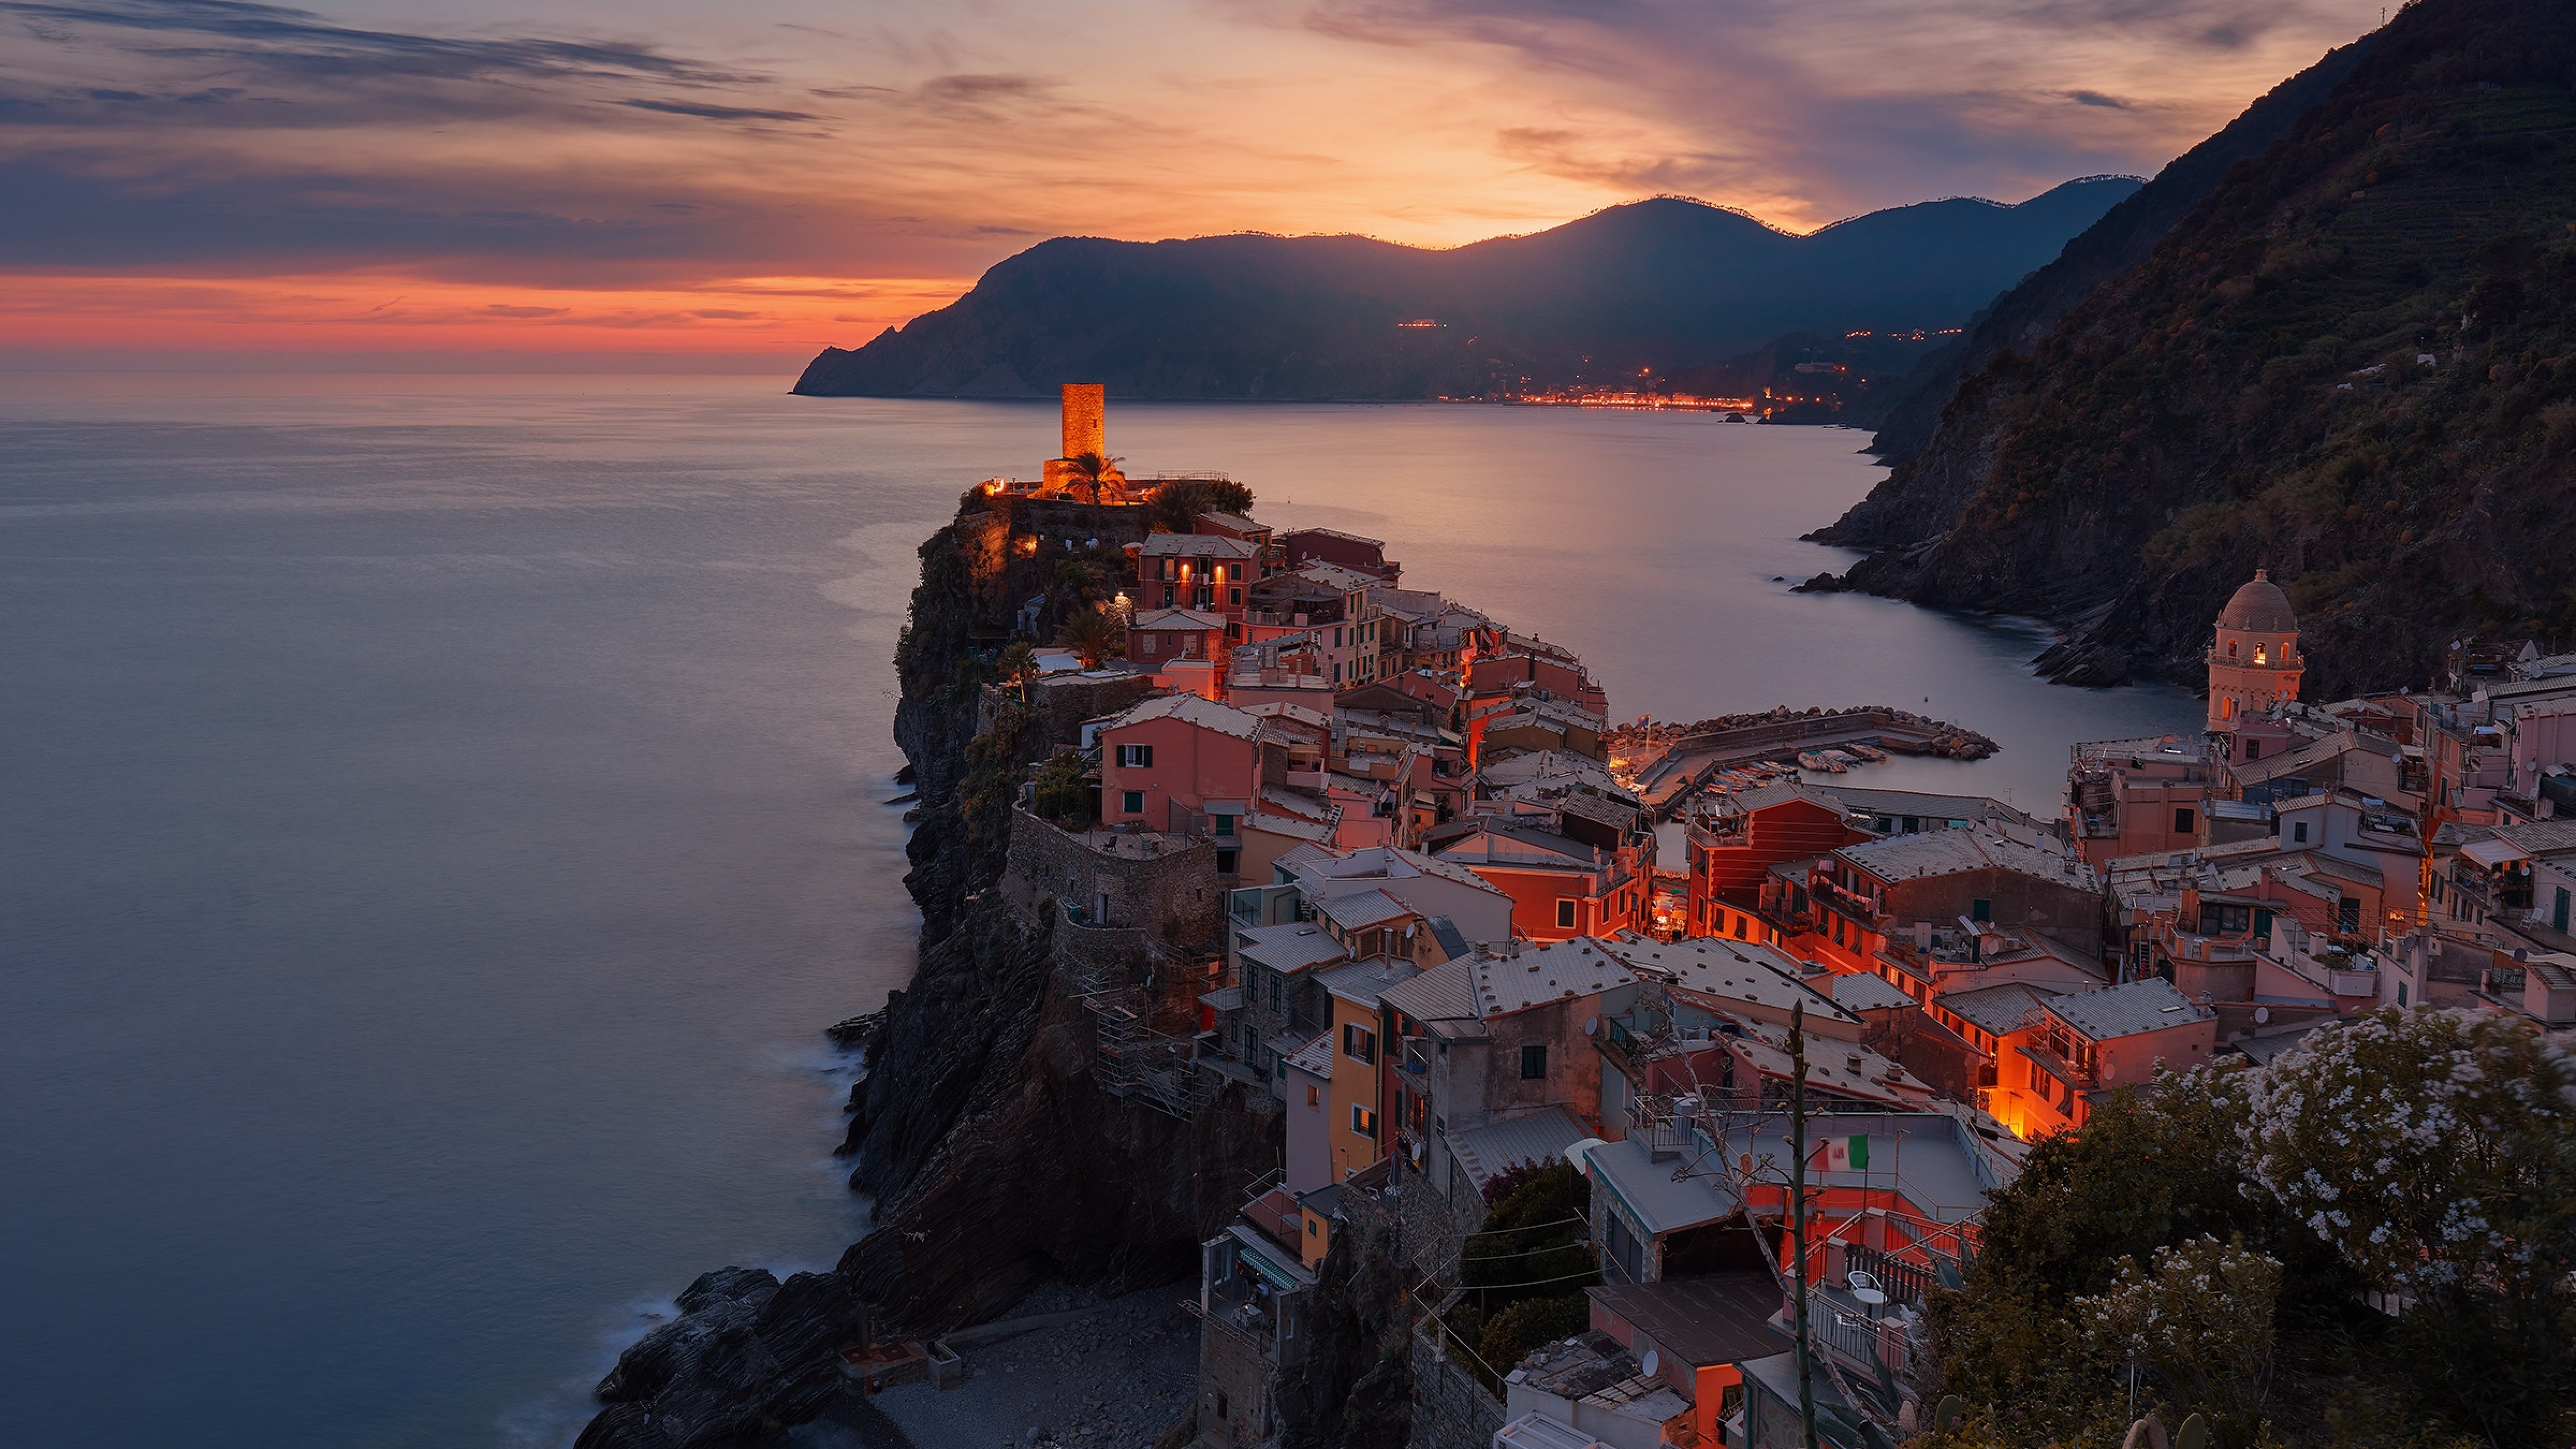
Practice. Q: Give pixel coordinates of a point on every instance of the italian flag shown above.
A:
(1840, 1154)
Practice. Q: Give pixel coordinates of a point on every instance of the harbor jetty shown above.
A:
(1666, 763)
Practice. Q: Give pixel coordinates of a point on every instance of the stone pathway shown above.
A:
(1116, 1379)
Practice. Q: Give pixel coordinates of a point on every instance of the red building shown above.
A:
(1732, 851)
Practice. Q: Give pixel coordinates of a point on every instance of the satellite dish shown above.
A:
(1650, 1363)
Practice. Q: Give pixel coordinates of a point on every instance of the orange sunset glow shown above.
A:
(558, 178)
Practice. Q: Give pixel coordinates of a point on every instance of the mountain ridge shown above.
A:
(1657, 285)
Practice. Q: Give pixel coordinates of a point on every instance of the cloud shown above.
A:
(718, 113)
(469, 154)
(503, 309)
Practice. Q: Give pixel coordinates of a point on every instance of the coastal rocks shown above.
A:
(1825, 583)
(995, 1160)
(751, 1357)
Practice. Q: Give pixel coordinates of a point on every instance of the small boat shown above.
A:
(1811, 760)
(1842, 761)
(1871, 753)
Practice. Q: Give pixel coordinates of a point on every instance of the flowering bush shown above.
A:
(2202, 1321)
(2435, 1149)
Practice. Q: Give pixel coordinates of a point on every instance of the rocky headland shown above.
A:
(994, 1158)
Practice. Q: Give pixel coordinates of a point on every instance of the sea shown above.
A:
(439, 814)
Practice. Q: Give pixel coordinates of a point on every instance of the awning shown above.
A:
(2492, 853)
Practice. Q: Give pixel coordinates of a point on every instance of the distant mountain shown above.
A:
(2353, 362)
(1653, 288)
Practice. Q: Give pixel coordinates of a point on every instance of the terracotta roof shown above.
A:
(2116, 1011)
(2259, 606)
(1540, 974)
(1191, 709)
(1176, 619)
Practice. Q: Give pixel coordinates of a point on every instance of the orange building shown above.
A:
(1732, 851)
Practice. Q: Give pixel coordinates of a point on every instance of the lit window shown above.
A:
(1314, 1095)
(1364, 1122)
(1358, 1042)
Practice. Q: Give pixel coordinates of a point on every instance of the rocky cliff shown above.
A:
(994, 1158)
(2352, 362)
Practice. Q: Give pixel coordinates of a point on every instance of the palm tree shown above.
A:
(1018, 665)
(1093, 469)
(1094, 634)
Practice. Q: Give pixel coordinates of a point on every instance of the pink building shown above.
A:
(1187, 765)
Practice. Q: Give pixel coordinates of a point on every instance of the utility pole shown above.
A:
(1798, 1211)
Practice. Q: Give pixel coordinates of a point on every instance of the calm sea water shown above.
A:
(440, 812)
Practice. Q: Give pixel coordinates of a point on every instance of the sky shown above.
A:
(664, 184)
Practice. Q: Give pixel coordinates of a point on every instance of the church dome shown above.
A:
(2259, 607)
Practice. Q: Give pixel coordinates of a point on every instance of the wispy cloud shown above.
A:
(664, 155)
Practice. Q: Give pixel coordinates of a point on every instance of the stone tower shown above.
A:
(1084, 427)
(2254, 662)
(1085, 431)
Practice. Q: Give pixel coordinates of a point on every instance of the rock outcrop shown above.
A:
(994, 1158)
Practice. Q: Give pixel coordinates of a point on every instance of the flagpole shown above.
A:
(1798, 1209)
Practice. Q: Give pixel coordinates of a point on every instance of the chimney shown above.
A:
(1084, 425)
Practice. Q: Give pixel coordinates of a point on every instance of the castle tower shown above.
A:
(2254, 662)
(1084, 408)
(1085, 431)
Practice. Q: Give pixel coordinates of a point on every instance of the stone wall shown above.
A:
(1171, 896)
(1234, 1389)
(1450, 1409)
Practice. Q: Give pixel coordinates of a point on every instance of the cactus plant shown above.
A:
(1950, 1413)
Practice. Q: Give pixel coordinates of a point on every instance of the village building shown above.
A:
(2080, 1046)
(1561, 886)
(1493, 1060)
(1845, 908)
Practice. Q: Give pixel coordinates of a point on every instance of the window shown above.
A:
(1135, 757)
(1314, 1095)
(1533, 1062)
(1565, 915)
(1358, 1042)
(2299, 832)
(1981, 909)
(1235, 597)
(2182, 821)
(2253, 749)
(1227, 861)
(2401, 993)
(1225, 825)
(2348, 914)
(1131, 802)
(1363, 1121)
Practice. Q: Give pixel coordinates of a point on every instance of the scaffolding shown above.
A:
(1131, 1059)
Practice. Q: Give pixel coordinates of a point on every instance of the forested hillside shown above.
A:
(2354, 363)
